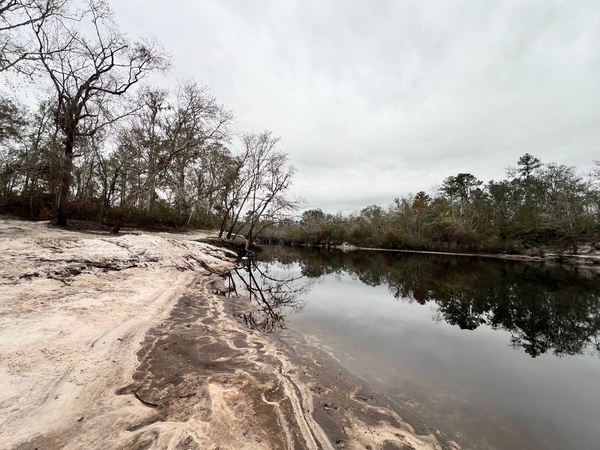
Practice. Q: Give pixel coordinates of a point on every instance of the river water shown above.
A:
(493, 354)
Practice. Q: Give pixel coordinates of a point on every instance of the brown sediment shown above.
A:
(289, 395)
(213, 383)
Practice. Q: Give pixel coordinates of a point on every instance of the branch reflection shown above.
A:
(274, 293)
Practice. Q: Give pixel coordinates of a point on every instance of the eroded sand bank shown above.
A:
(123, 342)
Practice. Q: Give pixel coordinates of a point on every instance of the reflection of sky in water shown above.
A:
(380, 338)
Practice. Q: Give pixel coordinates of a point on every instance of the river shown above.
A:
(493, 354)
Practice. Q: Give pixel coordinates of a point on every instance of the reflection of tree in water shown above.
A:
(274, 294)
(546, 309)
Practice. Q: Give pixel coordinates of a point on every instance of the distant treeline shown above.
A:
(537, 207)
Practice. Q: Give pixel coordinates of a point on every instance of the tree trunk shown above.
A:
(228, 211)
(118, 225)
(65, 181)
(250, 238)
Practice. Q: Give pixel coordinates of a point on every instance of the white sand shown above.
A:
(67, 342)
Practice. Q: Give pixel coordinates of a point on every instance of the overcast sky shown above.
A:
(377, 99)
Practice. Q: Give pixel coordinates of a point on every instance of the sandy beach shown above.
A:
(124, 342)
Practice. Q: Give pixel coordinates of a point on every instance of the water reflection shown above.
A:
(545, 308)
(274, 293)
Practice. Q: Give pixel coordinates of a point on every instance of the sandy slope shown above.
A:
(120, 342)
(74, 309)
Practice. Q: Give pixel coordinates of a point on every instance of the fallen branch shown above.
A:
(152, 405)
(206, 267)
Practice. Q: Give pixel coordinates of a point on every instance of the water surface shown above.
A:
(494, 354)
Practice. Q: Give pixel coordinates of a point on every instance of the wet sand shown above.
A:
(126, 342)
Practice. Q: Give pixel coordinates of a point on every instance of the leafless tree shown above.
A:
(17, 17)
(170, 143)
(259, 200)
(197, 130)
(274, 294)
(89, 64)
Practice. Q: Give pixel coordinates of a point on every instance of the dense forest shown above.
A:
(101, 144)
(537, 207)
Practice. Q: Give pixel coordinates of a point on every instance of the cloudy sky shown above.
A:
(377, 99)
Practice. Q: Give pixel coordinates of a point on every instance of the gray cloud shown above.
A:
(374, 100)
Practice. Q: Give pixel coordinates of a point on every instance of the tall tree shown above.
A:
(461, 191)
(168, 145)
(263, 181)
(13, 120)
(565, 205)
(503, 203)
(531, 191)
(594, 190)
(199, 128)
(460, 188)
(88, 71)
(419, 208)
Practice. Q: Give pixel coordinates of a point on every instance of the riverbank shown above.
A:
(589, 256)
(124, 342)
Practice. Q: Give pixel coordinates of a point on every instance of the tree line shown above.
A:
(103, 144)
(537, 206)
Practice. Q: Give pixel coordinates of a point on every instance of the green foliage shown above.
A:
(538, 207)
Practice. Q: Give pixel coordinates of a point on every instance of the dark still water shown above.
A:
(493, 354)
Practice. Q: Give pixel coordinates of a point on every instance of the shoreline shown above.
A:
(589, 260)
(123, 342)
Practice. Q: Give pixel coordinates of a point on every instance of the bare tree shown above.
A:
(235, 193)
(594, 189)
(566, 203)
(89, 64)
(275, 294)
(197, 130)
(17, 17)
(263, 181)
(171, 141)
